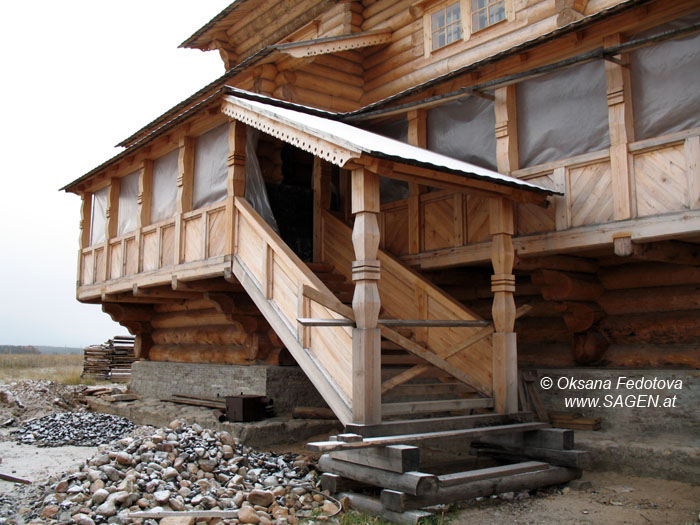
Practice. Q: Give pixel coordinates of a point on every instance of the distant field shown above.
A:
(65, 368)
(59, 350)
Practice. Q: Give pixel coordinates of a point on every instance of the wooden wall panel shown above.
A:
(394, 234)
(438, 223)
(216, 233)
(167, 246)
(88, 269)
(193, 239)
(477, 219)
(115, 260)
(251, 249)
(591, 194)
(661, 181)
(149, 252)
(100, 262)
(132, 257)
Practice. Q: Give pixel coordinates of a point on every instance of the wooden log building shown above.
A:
(410, 198)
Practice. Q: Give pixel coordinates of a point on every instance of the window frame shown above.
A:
(431, 7)
(472, 12)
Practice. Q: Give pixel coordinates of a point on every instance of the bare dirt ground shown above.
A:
(615, 499)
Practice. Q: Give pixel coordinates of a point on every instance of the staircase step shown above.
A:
(320, 267)
(430, 407)
(426, 389)
(467, 434)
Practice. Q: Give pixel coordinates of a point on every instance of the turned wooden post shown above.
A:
(505, 352)
(143, 200)
(235, 180)
(366, 338)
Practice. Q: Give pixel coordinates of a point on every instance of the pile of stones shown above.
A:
(181, 468)
(84, 429)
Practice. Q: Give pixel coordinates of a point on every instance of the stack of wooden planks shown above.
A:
(110, 360)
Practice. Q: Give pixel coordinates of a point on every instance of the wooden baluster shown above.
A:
(505, 354)
(235, 180)
(366, 338)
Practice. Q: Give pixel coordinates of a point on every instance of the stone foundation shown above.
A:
(287, 386)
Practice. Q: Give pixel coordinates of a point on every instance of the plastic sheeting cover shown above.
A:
(210, 167)
(562, 114)
(99, 216)
(464, 130)
(164, 200)
(128, 203)
(391, 190)
(666, 82)
(255, 191)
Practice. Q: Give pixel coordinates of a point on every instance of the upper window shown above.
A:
(487, 12)
(446, 26)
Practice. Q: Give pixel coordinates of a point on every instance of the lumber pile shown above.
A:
(110, 361)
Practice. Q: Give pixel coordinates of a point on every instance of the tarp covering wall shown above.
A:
(255, 191)
(99, 216)
(666, 82)
(210, 167)
(128, 203)
(164, 199)
(464, 129)
(562, 114)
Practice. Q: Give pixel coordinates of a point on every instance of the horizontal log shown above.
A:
(566, 286)
(648, 275)
(416, 483)
(579, 459)
(678, 327)
(212, 354)
(469, 476)
(395, 458)
(659, 299)
(482, 488)
(207, 334)
(205, 317)
(542, 330)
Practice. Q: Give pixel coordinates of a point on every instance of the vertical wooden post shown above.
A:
(235, 180)
(85, 231)
(505, 352)
(621, 131)
(506, 129)
(322, 201)
(417, 136)
(112, 222)
(366, 338)
(144, 200)
(185, 180)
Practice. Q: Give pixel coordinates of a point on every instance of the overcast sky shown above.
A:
(78, 77)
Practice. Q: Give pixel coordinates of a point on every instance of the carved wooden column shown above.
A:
(235, 180)
(143, 341)
(505, 352)
(621, 131)
(506, 129)
(366, 338)
(185, 182)
(111, 224)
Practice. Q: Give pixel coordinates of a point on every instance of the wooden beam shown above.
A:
(185, 184)
(673, 252)
(647, 229)
(163, 293)
(506, 130)
(324, 46)
(417, 136)
(440, 405)
(205, 285)
(85, 221)
(322, 199)
(394, 458)
(467, 434)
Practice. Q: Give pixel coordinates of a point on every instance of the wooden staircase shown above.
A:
(434, 391)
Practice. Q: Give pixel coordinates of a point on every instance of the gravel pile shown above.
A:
(21, 400)
(83, 429)
(184, 467)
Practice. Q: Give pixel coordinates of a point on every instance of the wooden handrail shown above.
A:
(432, 323)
